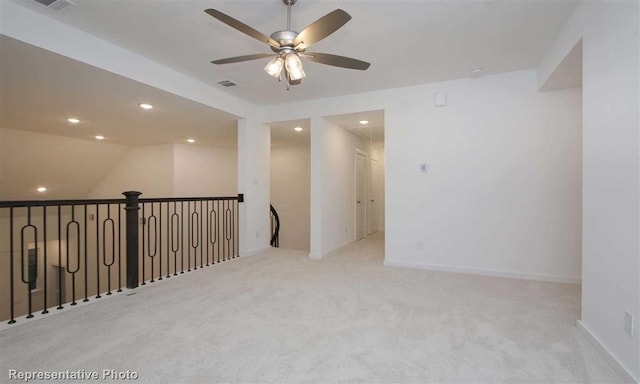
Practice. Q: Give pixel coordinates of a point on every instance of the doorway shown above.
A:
(362, 161)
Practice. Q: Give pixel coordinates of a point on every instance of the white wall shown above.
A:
(290, 194)
(68, 167)
(377, 153)
(204, 171)
(178, 170)
(147, 169)
(611, 189)
(253, 181)
(338, 184)
(502, 194)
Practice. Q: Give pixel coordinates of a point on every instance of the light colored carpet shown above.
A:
(281, 318)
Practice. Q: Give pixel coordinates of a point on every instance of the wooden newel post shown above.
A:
(131, 210)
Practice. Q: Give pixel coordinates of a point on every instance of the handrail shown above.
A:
(55, 203)
(275, 237)
(97, 245)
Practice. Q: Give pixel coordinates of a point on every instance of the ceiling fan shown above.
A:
(289, 46)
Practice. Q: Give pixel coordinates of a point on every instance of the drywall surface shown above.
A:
(204, 171)
(254, 155)
(68, 167)
(290, 194)
(338, 184)
(610, 32)
(502, 193)
(147, 169)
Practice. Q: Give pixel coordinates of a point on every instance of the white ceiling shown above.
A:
(373, 130)
(283, 133)
(407, 42)
(40, 90)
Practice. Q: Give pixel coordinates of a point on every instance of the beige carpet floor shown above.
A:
(281, 318)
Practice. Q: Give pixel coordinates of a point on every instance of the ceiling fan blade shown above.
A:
(238, 59)
(336, 61)
(321, 28)
(240, 26)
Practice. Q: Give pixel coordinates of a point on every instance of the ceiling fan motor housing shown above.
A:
(285, 38)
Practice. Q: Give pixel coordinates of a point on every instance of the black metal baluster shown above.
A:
(59, 258)
(190, 240)
(160, 242)
(73, 272)
(229, 231)
(86, 255)
(218, 228)
(168, 241)
(223, 234)
(46, 259)
(208, 231)
(214, 229)
(29, 280)
(200, 228)
(104, 246)
(155, 239)
(233, 227)
(175, 239)
(11, 293)
(98, 250)
(194, 240)
(237, 236)
(181, 237)
(143, 258)
(119, 248)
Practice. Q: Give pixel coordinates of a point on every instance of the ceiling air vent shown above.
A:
(58, 5)
(227, 83)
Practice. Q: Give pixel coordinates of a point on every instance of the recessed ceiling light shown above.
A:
(99, 137)
(73, 120)
(41, 189)
(364, 122)
(146, 106)
(298, 129)
(191, 141)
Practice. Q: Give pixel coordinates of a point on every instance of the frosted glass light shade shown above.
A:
(274, 67)
(294, 67)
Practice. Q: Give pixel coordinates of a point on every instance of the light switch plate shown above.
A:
(628, 323)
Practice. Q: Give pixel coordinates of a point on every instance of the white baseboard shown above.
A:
(333, 252)
(617, 366)
(254, 252)
(484, 272)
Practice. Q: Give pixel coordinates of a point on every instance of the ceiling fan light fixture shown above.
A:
(293, 64)
(274, 67)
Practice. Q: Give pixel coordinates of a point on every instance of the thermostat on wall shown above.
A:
(440, 99)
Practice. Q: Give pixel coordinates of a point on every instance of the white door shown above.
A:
(373, 197)
(361, 195)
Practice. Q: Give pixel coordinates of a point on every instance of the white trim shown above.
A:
(255, 252)
(617, 366)
(357, 151)
(333, 252)
(484, 272)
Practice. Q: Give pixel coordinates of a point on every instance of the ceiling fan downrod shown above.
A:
(289, 3)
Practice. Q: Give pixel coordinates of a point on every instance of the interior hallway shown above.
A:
(282, 318)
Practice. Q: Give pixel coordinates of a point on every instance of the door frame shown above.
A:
(357, 151)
